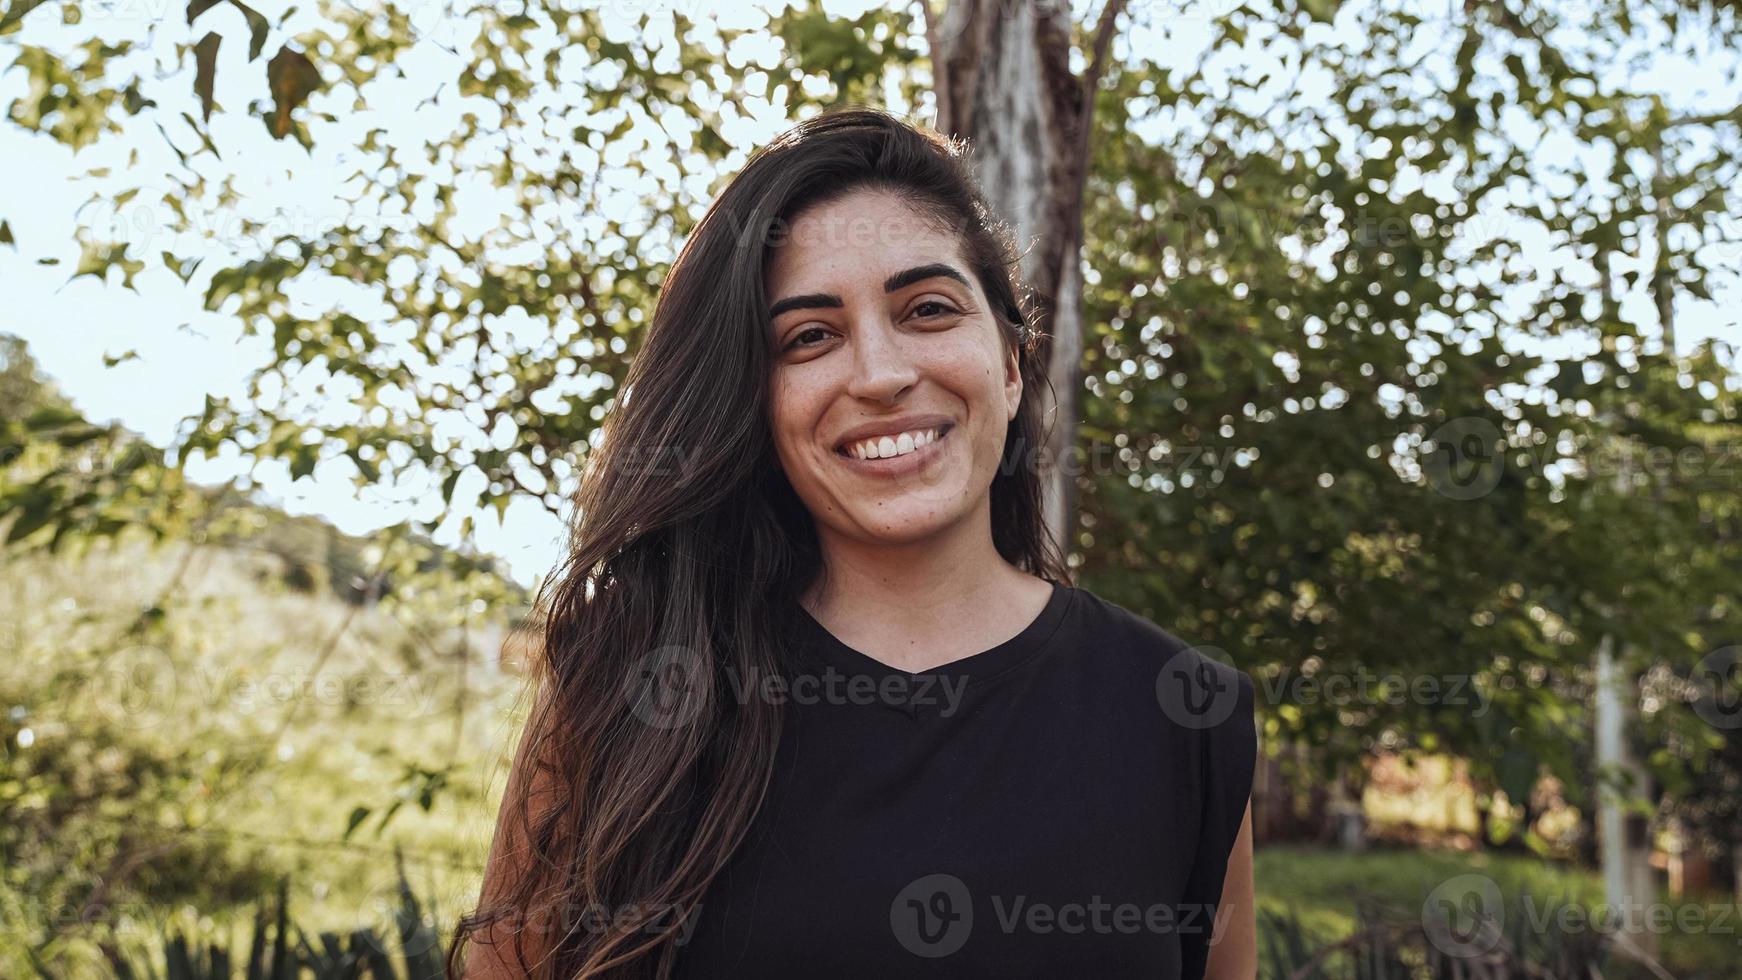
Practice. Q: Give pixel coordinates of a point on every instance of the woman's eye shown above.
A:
(807, 331)
(937, 308)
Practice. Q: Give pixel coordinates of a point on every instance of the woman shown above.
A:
(816, 697)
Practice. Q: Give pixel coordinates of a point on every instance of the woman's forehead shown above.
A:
(862, 220)
(845, 243)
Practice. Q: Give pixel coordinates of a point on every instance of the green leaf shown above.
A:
(96, 259)
(205, 65)
(358, 815)
(133, 100)
(16, 12)
(257, 28)
(292, 78)
(183, 269)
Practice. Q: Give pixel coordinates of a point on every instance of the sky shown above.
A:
(185, 352)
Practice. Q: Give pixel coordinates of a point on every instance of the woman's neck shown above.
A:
(920, 603)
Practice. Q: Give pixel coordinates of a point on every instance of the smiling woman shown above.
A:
(823, 701)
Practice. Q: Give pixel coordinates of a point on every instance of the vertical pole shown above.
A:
(1628, 887)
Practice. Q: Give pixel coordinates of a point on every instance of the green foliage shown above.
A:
(15, 11)
(1303, 348)
(175, 736)
(68, 97)
(92, 794)
(362, 952)
(854, 55)
(66, 481)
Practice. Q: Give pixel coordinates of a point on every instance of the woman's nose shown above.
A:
(882, 365)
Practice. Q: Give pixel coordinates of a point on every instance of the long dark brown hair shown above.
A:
(687, 552)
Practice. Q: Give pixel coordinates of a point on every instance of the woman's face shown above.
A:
(892, 386)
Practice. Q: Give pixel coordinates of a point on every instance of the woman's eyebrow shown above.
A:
(906, 277)
(809, 301)
(920, 273)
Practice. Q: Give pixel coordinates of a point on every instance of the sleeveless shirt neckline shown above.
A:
(984, 665)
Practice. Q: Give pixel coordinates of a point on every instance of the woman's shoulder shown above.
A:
(1197, 684)
(1135, 631)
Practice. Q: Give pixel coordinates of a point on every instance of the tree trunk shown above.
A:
(1003, 81)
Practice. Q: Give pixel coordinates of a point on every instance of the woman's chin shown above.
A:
(904, 519)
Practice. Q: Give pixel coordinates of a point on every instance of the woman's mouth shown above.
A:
(895, 452)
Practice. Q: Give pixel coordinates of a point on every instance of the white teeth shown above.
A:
(883, 447)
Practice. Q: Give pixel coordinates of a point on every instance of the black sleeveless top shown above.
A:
(1060, 805)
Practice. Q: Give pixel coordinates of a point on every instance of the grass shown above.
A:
(1322, 887)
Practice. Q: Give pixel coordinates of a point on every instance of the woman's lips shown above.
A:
(899, 465)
